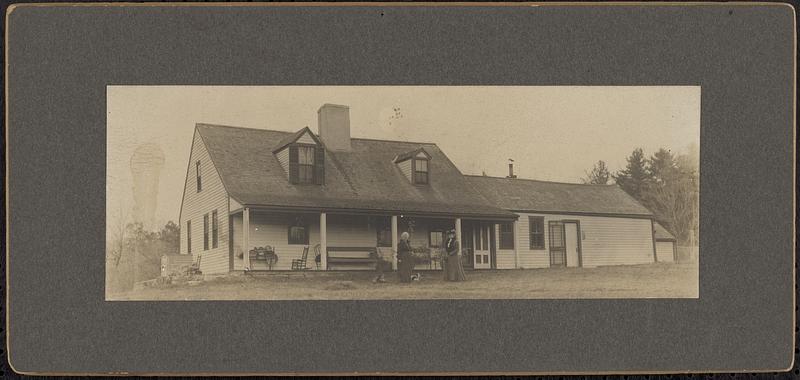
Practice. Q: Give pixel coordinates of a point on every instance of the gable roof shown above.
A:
(555, 197)
(364, 178)
(294, 137)
(411, 154)
(661, 233)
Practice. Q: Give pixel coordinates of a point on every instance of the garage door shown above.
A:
(664, 251)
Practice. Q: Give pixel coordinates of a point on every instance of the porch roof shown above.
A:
(364, 178)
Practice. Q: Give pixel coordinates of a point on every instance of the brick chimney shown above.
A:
(334, 126)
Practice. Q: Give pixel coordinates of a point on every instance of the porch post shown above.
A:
(458, 235)
(516, 250)
(246, 237)
(323, 240)
(394, 242)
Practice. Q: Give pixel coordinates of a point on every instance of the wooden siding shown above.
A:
(195, 205)
(306, 139)
(233, 205)
(283, 158)
(351, 231)
(505, 257)
(405, 167)
(273, 229)
(604, 241)
(665, 252)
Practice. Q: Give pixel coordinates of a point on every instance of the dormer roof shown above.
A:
(292, 138)
(416, 153)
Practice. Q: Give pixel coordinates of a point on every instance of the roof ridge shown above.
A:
(250, 128)
(316, 134)
(393, 141)
(543, 181)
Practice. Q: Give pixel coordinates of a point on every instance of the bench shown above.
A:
(363, 255)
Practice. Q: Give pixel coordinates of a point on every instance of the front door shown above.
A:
(572, 245)
(481, 236)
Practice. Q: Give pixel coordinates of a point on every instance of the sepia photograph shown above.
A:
(400, 189)
(402, 192)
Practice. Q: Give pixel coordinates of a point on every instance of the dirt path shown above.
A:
(640, 281)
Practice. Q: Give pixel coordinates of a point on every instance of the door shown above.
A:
(557, 247)
(572, 246)
(467, 258)
(481, 235)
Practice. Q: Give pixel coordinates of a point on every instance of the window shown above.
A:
(436, 239)
(214, 230)
(306, 164)
(205, 232)
(199, 178)
(506, 235)
(189, 237)
(420, 171)
(298, 232)
(536, 229)
(384, 230)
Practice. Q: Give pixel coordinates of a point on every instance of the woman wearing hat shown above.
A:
(453, 270)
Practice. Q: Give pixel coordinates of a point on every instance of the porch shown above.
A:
(337, 241)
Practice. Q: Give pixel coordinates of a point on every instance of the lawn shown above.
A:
(635, 281)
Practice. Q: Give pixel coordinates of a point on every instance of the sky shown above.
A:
(553, 133)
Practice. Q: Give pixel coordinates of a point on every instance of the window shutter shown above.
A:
(319, 165)
(293, 159)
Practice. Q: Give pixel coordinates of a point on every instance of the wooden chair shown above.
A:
(318, 256)
(300, 264)
(195, 267)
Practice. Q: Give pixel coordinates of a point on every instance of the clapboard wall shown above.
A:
(196, 204)
(605, 240)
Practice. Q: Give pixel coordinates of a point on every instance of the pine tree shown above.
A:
(634, 178)
(662, 167)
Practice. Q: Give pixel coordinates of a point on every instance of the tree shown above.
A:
(599, 175)
(135, 253)
(675, 205)
(635, 176)
(673, 193)
(662, 167)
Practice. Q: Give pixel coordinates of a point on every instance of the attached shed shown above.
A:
(568, 225)
(666, 250)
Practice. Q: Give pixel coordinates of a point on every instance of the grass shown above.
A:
(635, 281)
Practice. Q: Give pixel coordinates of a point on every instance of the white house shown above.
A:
(342, 199)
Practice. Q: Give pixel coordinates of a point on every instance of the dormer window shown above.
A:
(420, 171)
(306, 164)
(302, 157)
(415, 165)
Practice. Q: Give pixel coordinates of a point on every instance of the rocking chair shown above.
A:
(194, 268)
(300, 264)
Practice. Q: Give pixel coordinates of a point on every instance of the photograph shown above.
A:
(402, 192)
(400, 189)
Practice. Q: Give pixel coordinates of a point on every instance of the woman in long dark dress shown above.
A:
(453, 270)
(405, 260)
